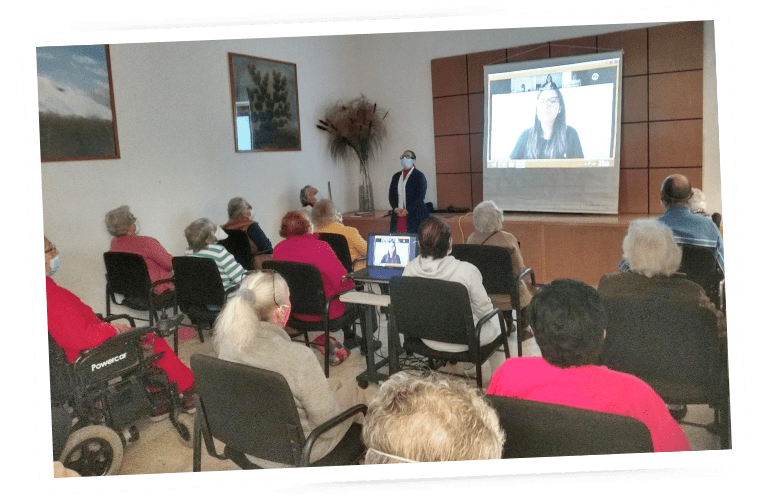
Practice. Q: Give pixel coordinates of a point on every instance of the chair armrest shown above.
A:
(327, 426)
(113, 317)
(136, 333)
(159, 282)
(262, 252)
(488, 316)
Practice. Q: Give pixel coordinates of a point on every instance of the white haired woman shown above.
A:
(121, 224)
(239, 213)
(250, 330)
(488, 230)
(202, 239)
(432, 418)
(327, 219)
(653, 258)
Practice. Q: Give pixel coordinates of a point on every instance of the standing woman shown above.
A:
(550, 137)
(407, 197)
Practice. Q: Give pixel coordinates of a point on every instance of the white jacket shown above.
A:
(450, 269)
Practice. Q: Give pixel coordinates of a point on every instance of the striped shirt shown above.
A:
(229, 270)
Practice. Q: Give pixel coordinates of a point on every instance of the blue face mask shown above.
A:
(54, 265)
(407, 162)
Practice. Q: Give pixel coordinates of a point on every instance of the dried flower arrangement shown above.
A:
(356, 127)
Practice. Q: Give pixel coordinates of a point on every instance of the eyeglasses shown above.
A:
(407, 156)
(272, 273)
(549, 102)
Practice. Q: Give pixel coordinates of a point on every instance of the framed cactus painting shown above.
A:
(265, 104)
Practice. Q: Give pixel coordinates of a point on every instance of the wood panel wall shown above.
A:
(662, 111)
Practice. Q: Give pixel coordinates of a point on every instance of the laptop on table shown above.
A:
(387, 256)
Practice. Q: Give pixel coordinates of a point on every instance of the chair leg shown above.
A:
(200, 332)
(478, 375)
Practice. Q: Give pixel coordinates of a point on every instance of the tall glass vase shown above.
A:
(365, 193)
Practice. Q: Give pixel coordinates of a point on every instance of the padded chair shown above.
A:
(700, 265)
(536, 429)
(308, 297)
(497, 274)
(675, 348)
(432, 309)
(252, 411)
(199, 290)
(127, 275)
(237, 243)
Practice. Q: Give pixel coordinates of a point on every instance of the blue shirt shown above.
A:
(694, 229)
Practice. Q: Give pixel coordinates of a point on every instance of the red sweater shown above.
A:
(75, 327)
(593, 388)
(157, 258)
(308, 249)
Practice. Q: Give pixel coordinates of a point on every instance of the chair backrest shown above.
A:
(667, 344)
(699, 264)
(432, 309)
(62, 378)
(536, 429)
(249, 409)
(197, 282)
(127, 275)
(237, 243)
(306, 286)
(494, 262)
(341, 249)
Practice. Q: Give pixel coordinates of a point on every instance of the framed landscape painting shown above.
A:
(75, 102)
(265, 104)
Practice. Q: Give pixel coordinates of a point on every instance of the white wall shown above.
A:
(175, 131)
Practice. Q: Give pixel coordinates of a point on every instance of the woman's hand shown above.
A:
(122, 328)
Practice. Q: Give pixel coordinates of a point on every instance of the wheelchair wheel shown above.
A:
(94, 450)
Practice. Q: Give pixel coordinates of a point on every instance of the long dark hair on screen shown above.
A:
(557, 145)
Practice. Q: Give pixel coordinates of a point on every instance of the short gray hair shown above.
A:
(119, 220)
(650, 248)
(430, 418)
(324, 212)
(303, 194)
(239, 322)
(487, 217)
(236, 207)
(200, 233)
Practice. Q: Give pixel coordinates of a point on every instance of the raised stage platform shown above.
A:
(582, 247)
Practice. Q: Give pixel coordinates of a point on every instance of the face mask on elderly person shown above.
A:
(407, 162)
(54, 265)
(220, 234)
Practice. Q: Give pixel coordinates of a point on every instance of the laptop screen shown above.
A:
(391, 250)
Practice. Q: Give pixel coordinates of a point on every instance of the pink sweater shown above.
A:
(157, 258)
(593, 388)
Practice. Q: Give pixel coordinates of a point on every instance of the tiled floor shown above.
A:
(160, 450)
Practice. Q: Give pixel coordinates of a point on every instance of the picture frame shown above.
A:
(265, 104)
(76, 104)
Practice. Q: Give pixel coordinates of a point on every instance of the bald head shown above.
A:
(675, 191)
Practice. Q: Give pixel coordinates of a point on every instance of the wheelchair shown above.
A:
(97, 399)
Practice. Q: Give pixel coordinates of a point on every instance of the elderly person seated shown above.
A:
(250, 330)
(300, 244)
(307, 198)
(327, 219)
(240, 212)
(568, 320)
(431, 418)
(121, 224)
(201, 238)
(434, 261)
(488, 230)
(653, 257)
(75, 327)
